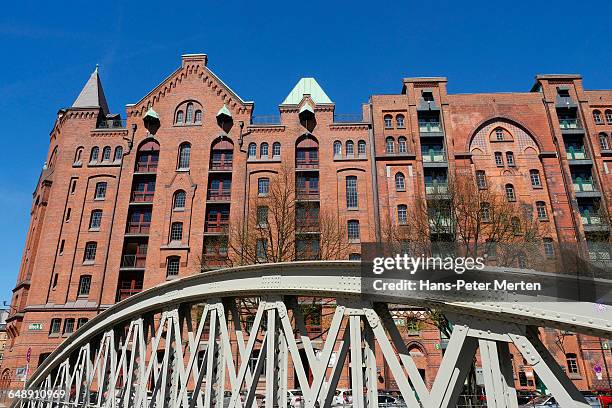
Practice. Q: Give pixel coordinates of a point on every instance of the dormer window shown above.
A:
(188, 113)
(499, 134)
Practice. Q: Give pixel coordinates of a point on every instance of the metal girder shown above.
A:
(184, 345)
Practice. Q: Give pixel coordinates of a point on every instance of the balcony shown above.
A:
(215, 260)
(430, 127)
(222, 165)
(306, 164)
(142, 197)
(216, 227)
(138, 228)
(110, 124)
(307, 226)
(146, 167)
(577, 155)
(133, 261)
(219, 195)
(570, 126)
(123, 294)
(307, 194)
(436, 188)
(433, 158)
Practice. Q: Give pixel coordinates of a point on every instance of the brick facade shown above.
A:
(422, 132)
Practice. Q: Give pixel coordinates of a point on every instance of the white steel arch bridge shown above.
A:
(183, 344)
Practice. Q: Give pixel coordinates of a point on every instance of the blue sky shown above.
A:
(260, 49)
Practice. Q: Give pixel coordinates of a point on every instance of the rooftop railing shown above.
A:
(265, 120)
(348, 117)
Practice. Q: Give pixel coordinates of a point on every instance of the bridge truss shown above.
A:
(184, 344)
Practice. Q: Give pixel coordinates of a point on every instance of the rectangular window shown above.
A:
(176, 231)
(499, 160)
(262, 250)
(84, 285)
(100, 191)
(90, 251)
(541, 209)
(263, 186)
(510, 158)
(96, 219)
(549, 248)
(262, 215)
(351, 192)
(73, 185)
(481, 179)
(172, 268)
(402, 214)
(81, 322)
(55, 326)
(68, 326)
(353, 229)
(535, 178)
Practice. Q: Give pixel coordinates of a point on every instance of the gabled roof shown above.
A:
(306, 86)
(92, 94)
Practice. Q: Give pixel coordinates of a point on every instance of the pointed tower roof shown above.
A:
(92, 94)
(306, 86)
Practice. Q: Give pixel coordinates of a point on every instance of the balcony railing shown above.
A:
(138, 227)
(348, 117)
(111, 124)
(216, 227)
(589, 218)
(221, 165)
(307, 164)
(223, 195)
(433, 156)
(142, 196)
(215, 260)
(429, 127)
(570, 123)
(307, 194)
(307, 225)
(123, 294)
(146, 167)
(574, 153)
(586, 185)
(133, 261)
(265, 120)
(436, 188)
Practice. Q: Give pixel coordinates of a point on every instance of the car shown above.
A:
(388, 400)
(294, 398)
(524, 397)
(342, 397)
(548, 401)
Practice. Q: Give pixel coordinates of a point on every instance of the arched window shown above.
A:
(401, 142)
(609, 116)
(388, 122)
(263, 150)
(399, 120)
(179, 117)
(118, 153)
(95, 151)
(510, 195)
(361, 148)
(147, 157)
(510, 158)
(499, 134)
(534, 175)
(172, 266)
(541, 210)
(400, 182)
(176, 231)
(252, 150)
(106, 153)
(603, 141)
(189, 114)
(389, 145)
(179, 200)
(78, 154)
(337, 148)
(402, 214)
(572, 363)
(597, 117)
(198, 116)
(350, 148)
(184, 153)
(276, 149)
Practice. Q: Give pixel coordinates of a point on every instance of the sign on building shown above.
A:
(35, 327)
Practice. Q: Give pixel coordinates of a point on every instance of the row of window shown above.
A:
(534, 177)
(350, 148)
(94, 156)
(401, 145)
(598, 118)
(263, 188)
(264, 150)
(499, 159)
(69, 325)
(189, 116)
(399, 121)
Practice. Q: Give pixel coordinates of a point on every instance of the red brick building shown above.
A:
(126, 204)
